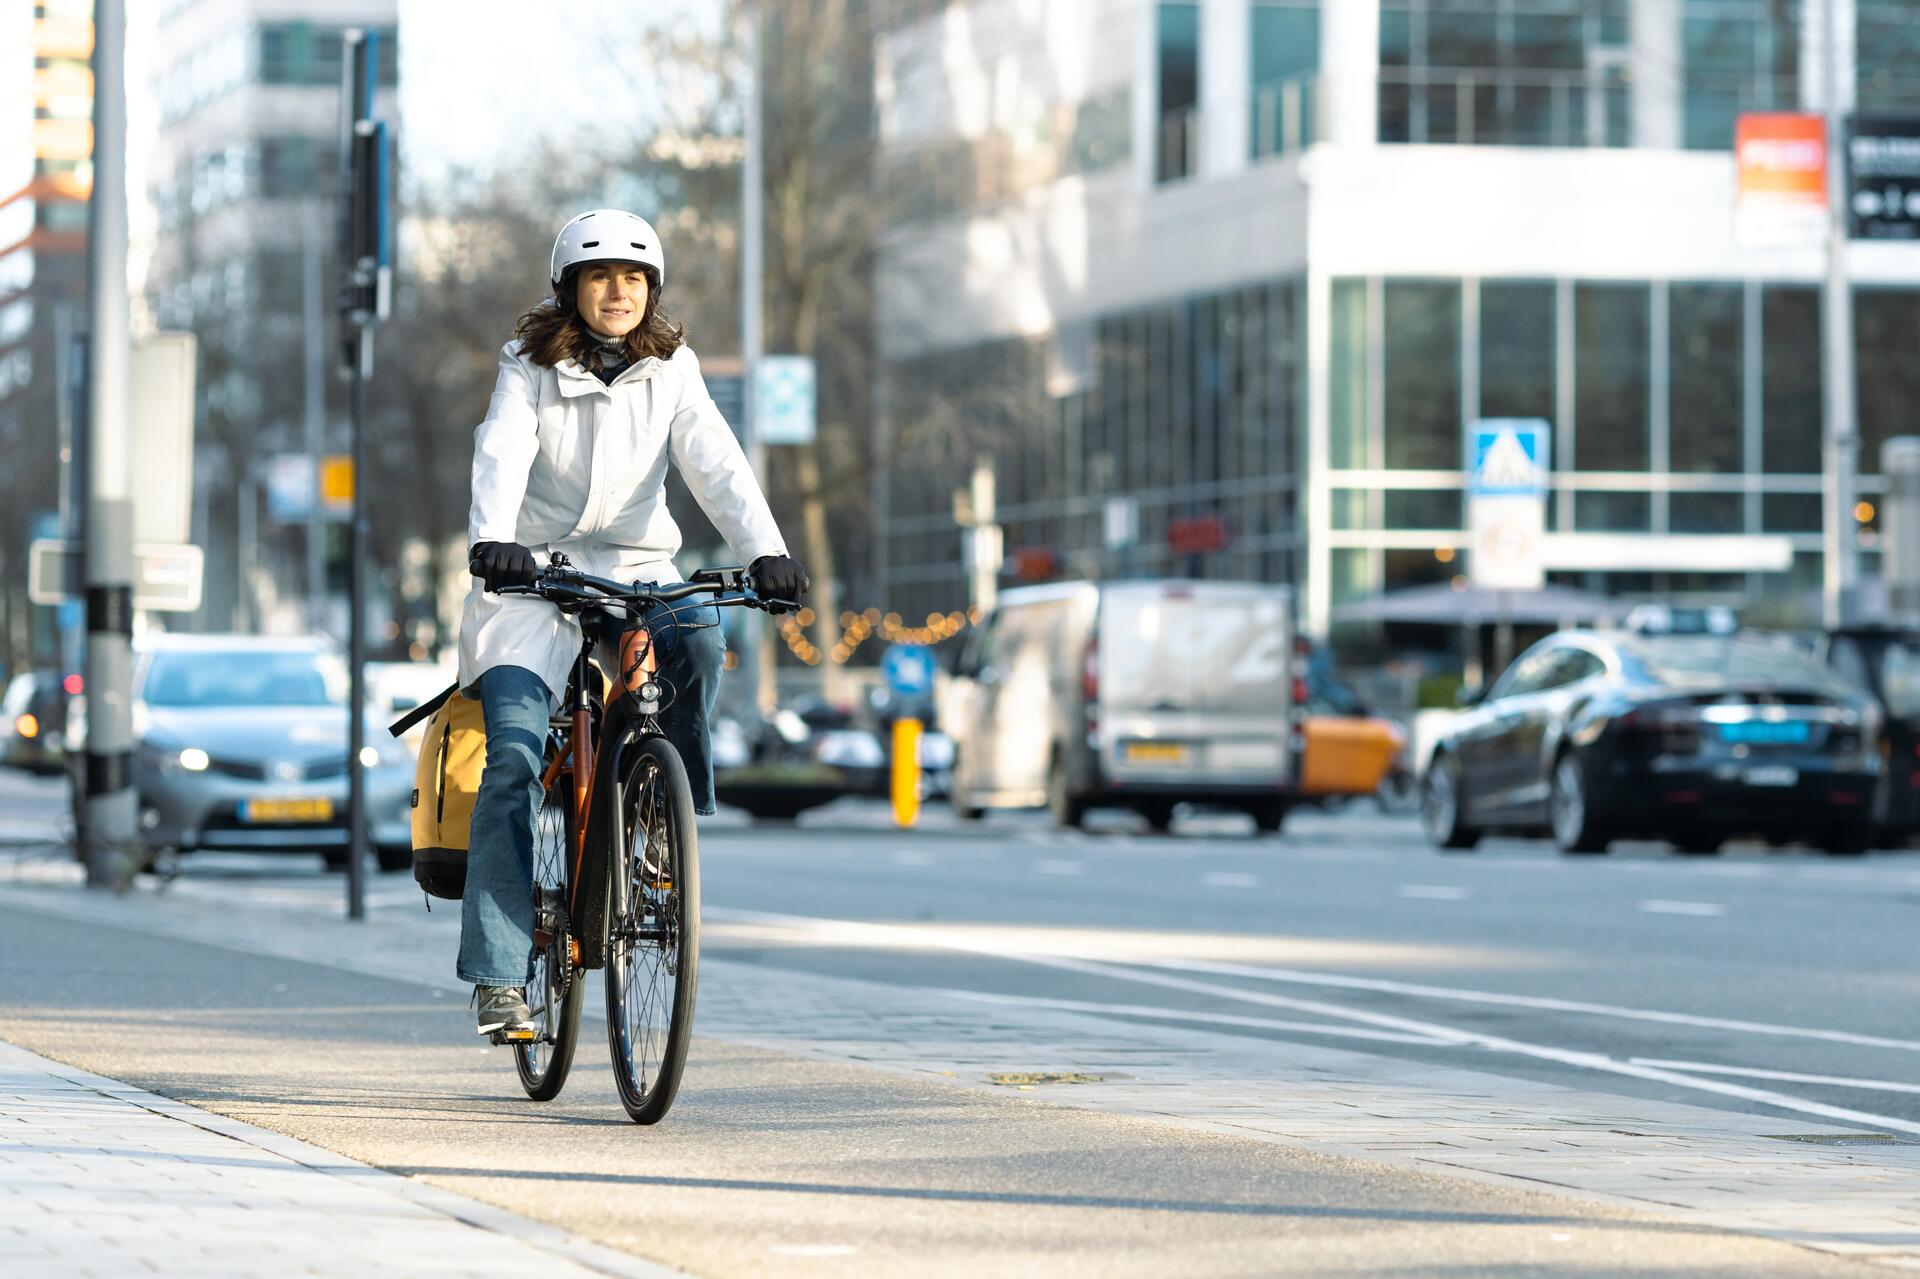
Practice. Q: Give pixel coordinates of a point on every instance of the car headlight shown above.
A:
(389, 751)
(193, 759)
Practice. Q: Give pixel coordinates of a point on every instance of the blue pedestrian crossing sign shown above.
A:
(908, 669)
(1508, 457)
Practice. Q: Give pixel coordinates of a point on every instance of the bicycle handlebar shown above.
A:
(560, 583)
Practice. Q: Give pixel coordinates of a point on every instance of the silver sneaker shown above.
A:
(504, 1011)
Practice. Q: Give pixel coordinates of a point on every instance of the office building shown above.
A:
(1219, 285)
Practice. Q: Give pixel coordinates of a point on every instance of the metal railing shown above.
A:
(1504, 107)
(1286, 116)
(1177, 149)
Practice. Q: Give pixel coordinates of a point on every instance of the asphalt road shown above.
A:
(1346, 932)
(1786, 971)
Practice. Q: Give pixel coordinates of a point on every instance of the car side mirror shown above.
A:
(1470, 695)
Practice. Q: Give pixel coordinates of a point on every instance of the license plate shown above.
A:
(1766, 733)
(1776, 776)
(287, 810)
(1156, 752)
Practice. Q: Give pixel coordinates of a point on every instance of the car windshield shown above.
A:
(1716, 661)
(244, 677)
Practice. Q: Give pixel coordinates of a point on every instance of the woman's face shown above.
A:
(611, 297)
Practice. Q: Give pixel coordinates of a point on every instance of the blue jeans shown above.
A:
(496, 911)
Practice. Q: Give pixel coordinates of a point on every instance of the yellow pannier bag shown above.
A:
(446, 781)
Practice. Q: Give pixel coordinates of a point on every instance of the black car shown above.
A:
(1593, 736)
(1885, 661)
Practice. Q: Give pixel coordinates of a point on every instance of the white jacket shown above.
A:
(566, 463)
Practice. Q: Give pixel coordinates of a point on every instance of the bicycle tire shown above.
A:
(543, 1064)
(653, 931)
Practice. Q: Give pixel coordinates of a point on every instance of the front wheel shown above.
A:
(1442, 810)
(653, 931)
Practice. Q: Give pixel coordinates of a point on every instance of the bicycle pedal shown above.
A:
(513, 1036)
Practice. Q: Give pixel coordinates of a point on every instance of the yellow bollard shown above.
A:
(906, 771)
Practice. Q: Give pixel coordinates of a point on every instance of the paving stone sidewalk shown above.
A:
(1748, 1173)
(98, 1178)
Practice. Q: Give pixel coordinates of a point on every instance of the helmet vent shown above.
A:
(589, 244)
(636, 244)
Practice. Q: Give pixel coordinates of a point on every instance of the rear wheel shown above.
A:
(1697, 845)
(1442, 805)
(1269, 818)
(1575, 827)
(1159, 817)
(653, 932)
(394, 857)
(553, 991)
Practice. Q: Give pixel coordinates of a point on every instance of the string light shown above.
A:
(856, 628)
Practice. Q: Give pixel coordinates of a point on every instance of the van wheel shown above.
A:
(1159, 817)
(1269, 818)
(1066, 808)
(394, 857)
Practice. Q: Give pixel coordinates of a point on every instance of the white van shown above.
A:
(1139, 694)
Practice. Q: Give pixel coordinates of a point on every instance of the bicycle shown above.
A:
(616, 862)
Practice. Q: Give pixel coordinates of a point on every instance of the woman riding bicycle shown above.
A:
(597, 392)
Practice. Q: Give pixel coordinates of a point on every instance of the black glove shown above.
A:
(778, 577)
(501, 564)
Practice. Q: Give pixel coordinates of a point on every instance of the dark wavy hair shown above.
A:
(553, 331)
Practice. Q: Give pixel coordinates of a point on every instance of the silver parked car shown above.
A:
(1138, 694)
(242, 744)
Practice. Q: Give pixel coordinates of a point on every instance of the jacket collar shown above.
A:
(575, 379)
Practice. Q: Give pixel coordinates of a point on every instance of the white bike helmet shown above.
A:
(603, 235)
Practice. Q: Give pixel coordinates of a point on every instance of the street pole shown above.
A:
(357, 635)
(111, 807)
(366, 245)
(756, 648)
(1842, 433)
(314, 322)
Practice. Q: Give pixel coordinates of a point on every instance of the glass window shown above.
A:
(1424, 509)
(1516, 350)
(1790, 513)
(1513, 72)
(1347, 376)
(1704, 402)
(1737, 55)
(1179, 48)
(1886, 339)
(1706, 512)
(1888, 66)
(1286, 52)
(1422, 374)
(1790, 379)
(1612, 512)
(1610, 330)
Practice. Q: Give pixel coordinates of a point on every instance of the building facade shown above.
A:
(46, 176)
(242, 171)
(1219, 285)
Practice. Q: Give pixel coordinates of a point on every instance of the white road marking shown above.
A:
(1054, 866)
(1173, 1014)
(919, 937)
(1660, 906)
(1229, 879)
(1434, 892)
(1784, 1076)
(1385, 1021)
(1388, 986)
